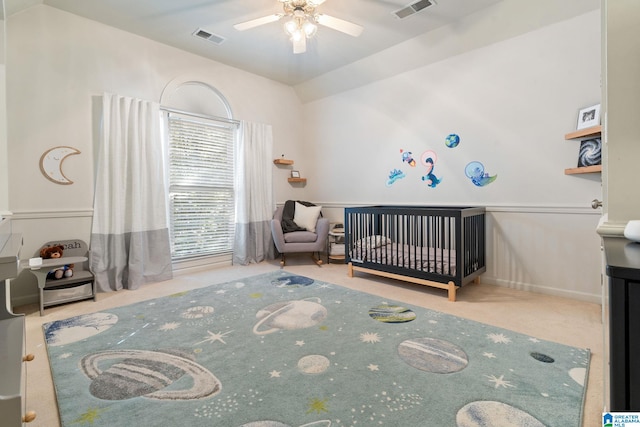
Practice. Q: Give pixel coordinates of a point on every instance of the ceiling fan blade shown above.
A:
(257, 22)
(339, 25)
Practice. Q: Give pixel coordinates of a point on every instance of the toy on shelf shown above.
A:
(54, 252)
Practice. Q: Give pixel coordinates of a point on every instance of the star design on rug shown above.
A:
(373, 367)
(316, 405)
(275, 374)
(299, 343)
(499, 381)
(532, 339)
(170, 326)
(221, 292)
(65, 355)
(499, 338)
(214, 337)
(489, 355)
(90, 416)
(370, 337)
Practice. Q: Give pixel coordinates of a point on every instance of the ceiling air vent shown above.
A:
(207, 35)
(413, 8)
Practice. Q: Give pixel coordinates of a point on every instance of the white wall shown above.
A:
(511, 102)
(58, 66)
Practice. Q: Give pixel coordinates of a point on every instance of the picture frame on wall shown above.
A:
(295, 174)
(588, 117)
(590, 152)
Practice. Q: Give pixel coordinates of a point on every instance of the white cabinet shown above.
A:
(12, 333)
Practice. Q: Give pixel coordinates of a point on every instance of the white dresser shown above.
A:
(12, 335)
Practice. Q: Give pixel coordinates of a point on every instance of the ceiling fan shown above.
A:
(301, 24)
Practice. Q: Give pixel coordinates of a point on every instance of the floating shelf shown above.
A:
(584, 133)
(585, 169)
(283, 162)
(297, 179)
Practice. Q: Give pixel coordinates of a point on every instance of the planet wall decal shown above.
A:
(476, 173)
(452, 140)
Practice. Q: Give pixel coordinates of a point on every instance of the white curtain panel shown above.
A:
(130, 233)
(254, 194)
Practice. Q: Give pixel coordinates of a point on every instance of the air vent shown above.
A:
(207, 35)
(413, 8)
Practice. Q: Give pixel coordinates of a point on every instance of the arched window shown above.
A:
(200, 134)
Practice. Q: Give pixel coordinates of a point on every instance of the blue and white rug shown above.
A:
(280, 350)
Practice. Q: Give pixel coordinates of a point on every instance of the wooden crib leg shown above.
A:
(452, 291)
(350, 270)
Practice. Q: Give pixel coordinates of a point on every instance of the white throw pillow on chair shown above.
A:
(306, 216)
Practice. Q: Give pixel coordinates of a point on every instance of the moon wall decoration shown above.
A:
(51, 164)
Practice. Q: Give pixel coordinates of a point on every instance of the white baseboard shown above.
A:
(529, 287)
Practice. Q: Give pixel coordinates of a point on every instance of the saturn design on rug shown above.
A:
(146, 373)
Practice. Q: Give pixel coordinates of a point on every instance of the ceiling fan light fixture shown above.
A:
(299, 44)
(297, 35)
(290, 27)
(309, 28)
(303, 22)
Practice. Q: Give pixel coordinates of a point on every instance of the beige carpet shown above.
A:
(562, 320)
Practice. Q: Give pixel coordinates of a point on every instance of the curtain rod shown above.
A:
(202, 116)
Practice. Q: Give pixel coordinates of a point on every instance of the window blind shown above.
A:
(201, 190)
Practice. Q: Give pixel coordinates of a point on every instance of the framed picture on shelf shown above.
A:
(588, 117)
(590, 153)
(295, 174)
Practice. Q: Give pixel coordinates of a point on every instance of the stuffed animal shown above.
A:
(53, 252)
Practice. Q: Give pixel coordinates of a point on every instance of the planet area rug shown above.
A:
(278, 350)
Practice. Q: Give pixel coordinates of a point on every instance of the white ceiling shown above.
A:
(266, 50)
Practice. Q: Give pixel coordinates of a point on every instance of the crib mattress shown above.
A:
(421, 258)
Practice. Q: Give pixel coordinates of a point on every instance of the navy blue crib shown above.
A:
(442, 247)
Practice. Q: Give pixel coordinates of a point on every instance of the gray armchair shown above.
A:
(299, 241)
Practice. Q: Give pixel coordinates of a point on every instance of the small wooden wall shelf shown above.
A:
(283, 162)
(584, 133)
(297, 179)
(585, 169)
(594, 131)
